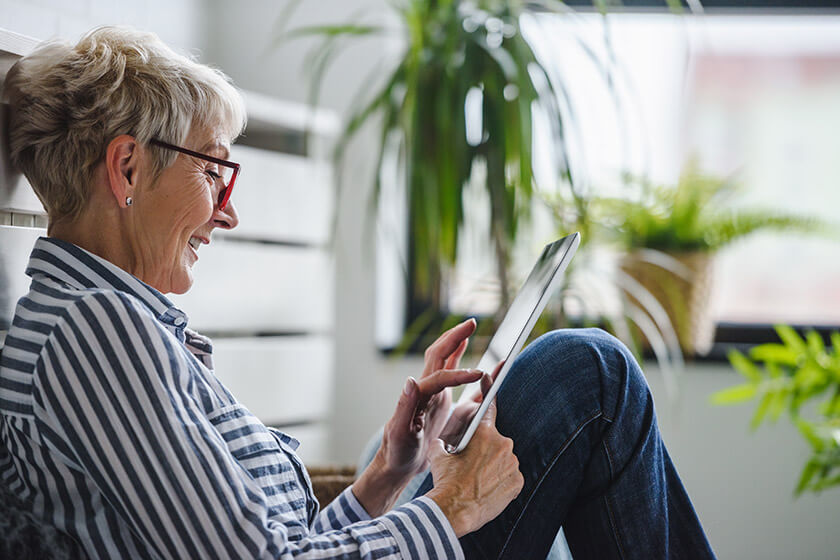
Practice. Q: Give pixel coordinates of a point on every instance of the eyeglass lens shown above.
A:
(226, 173)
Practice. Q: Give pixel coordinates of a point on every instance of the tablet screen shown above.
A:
(510, 337)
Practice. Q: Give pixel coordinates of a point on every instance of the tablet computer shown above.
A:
(514, 329)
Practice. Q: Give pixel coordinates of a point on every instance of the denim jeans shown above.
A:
(581, 416)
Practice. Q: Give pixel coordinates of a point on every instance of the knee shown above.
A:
(586, 358)
(577, 345)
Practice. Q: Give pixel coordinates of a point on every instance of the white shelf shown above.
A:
(268, 113)
(15, 43)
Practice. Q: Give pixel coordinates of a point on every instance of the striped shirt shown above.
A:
(115, 429)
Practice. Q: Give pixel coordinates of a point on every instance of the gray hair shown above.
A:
(68, 102)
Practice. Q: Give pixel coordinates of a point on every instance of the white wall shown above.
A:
(180, 23)
(366, 384)
(742, 483)
(244, 41)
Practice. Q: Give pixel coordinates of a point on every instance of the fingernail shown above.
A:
(409, 386)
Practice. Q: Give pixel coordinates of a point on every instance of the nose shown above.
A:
(227, 218)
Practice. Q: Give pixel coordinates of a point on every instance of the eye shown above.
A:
(213, 175)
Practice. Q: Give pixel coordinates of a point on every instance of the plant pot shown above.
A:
(685, 297)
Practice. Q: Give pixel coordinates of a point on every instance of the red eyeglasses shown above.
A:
(227, 171)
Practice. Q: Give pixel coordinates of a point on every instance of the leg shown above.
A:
(581, 417)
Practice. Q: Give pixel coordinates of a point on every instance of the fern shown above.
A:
(694, 215)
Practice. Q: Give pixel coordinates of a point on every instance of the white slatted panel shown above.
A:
(15, 193)
(280, 379)
(282, 197)
(15, 245)
(254, 287)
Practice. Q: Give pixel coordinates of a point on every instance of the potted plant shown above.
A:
(669, 236)
(460, 58)
(460, 97)
(784, 378)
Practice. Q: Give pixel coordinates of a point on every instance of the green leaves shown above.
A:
(695, 214)
(452, 48)
(784, 377)
(744, 366)
(734, 395)
(820, 472)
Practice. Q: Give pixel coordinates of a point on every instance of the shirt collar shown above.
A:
(81, 269)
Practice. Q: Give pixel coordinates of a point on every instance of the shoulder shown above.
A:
(100, 309)
(51, 310)
(50, 305)
(99, 330)
(60, 335)
(106, 308)
(108, 342)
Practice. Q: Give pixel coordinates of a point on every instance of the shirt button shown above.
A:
(179, 321)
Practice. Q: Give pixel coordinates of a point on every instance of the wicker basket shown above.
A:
(329, 482)
(686, 300)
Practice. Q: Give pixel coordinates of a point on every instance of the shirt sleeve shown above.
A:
(112, 396)
(421, 513)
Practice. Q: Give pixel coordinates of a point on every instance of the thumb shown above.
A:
(486, 383)
(436, 450)
(407, 405)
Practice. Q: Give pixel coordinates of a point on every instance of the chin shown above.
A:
(181, 283)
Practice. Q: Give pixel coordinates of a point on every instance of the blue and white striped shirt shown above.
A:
(115, 430)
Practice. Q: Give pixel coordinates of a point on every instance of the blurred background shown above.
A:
(318, 303)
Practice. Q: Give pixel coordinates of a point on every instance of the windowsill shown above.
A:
(728, 336)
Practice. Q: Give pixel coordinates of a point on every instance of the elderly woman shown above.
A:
(116, 431)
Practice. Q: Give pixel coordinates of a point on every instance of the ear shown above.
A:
(122, 160)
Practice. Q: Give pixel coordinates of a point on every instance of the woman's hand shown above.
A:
(416, 424)
(475, 486)
(425, 404)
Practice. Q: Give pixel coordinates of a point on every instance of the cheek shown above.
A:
(197, 208)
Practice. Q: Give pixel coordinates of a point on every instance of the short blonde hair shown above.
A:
(68, 102)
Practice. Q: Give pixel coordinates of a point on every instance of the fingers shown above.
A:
(486, 383)
(490, 415)
(437, 354)
(498, 369)
(441, 379)
(407, 406)
(454, 359)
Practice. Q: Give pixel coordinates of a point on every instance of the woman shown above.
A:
(116, 431)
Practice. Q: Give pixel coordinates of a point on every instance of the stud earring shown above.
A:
(128, 201)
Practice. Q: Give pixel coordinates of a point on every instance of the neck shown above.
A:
(99, 231)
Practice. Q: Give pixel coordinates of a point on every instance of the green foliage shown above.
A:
(694, 215)
(784, 377)
(454, 50)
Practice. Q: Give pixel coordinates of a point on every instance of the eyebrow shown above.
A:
(214, 144)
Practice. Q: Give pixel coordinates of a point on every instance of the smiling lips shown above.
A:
(196, 242)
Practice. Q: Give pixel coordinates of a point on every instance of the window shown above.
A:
(752, 95)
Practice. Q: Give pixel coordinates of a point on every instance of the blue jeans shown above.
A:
(581, 416)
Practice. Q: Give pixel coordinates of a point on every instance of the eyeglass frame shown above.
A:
(224, 194)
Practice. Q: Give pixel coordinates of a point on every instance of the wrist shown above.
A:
(378, 487)
(454, 510)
